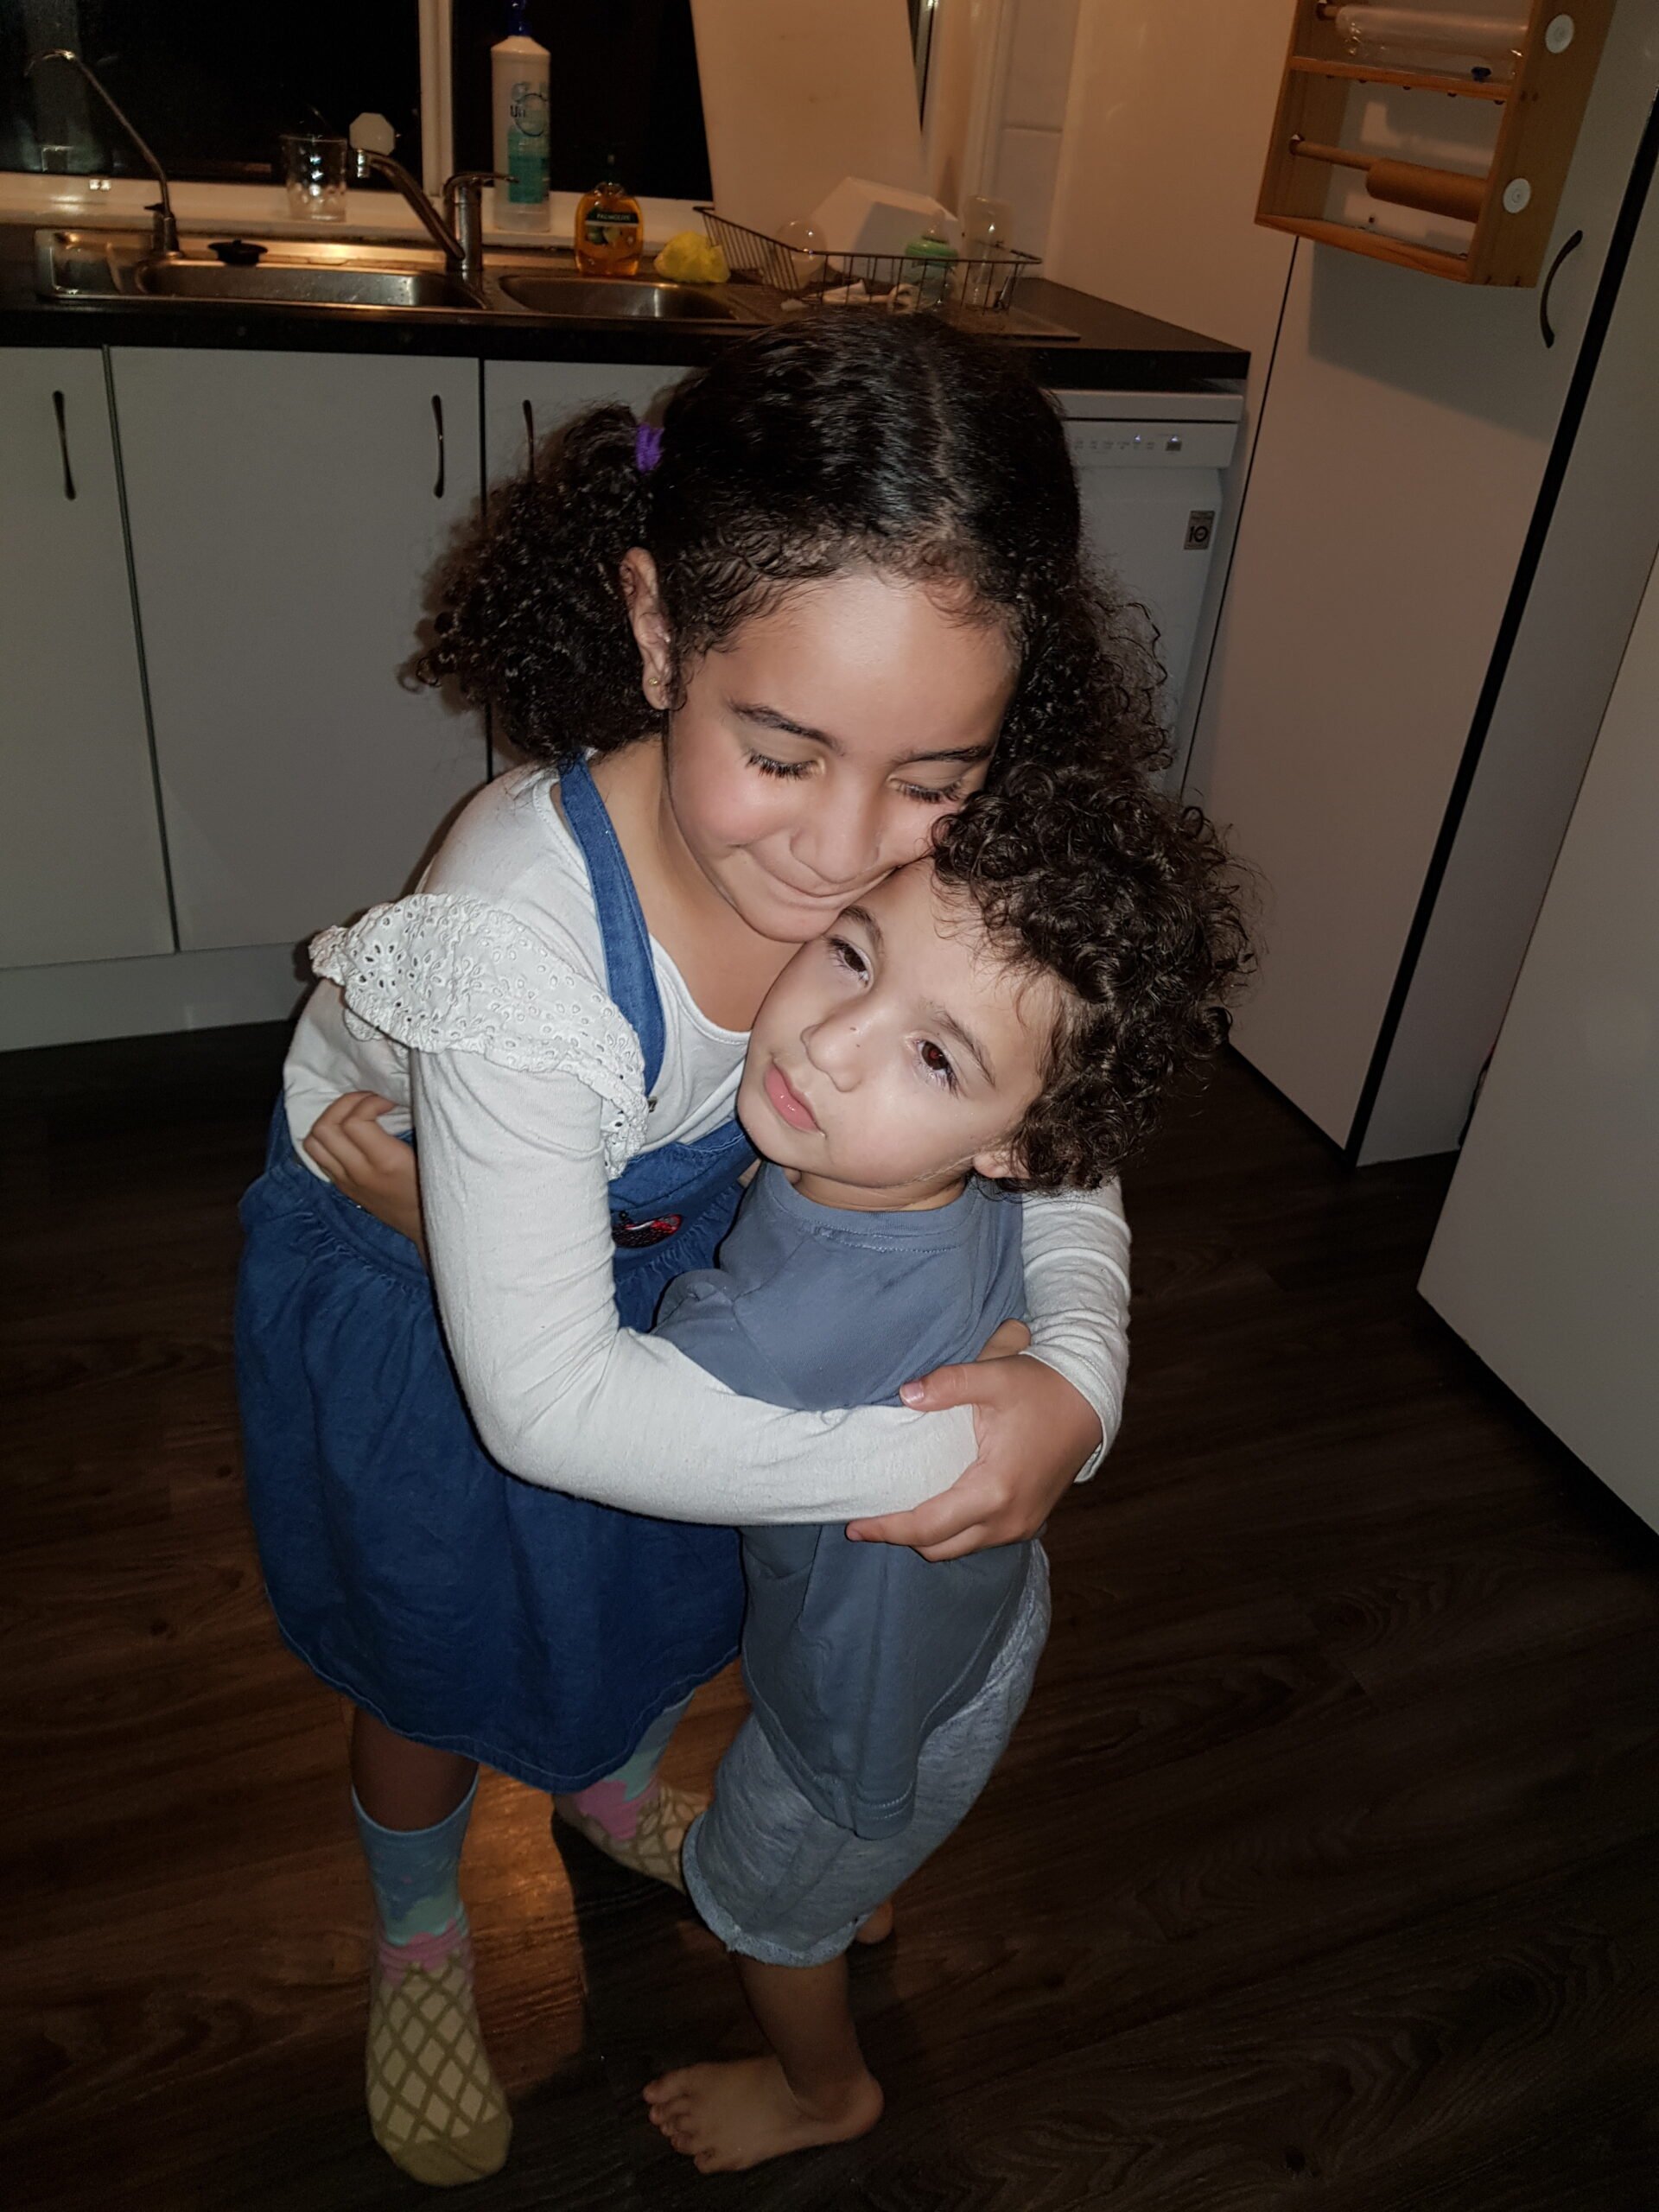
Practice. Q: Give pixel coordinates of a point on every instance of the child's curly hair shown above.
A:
(1130, 899)
(839, 439)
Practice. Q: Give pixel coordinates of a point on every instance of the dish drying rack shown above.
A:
(976, 291)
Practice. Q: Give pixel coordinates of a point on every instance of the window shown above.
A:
(623, 81)
(211, 86)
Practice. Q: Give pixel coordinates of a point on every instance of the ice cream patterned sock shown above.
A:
(435, 2104)
(633, 1816)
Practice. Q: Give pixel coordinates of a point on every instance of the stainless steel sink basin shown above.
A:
(120, 268)
(628, 299)
(114, 267)
(298, 285)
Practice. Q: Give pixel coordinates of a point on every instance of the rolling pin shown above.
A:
(1406, 184)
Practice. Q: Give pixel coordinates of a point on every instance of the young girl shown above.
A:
(849, 582)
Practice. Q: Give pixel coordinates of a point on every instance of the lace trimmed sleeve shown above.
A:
(439, 972)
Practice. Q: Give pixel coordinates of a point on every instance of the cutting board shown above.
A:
(798, 94)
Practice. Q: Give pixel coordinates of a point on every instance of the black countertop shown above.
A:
(1116, 349)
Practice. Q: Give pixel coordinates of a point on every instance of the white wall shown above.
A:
(1545, 1258)
(1167, 131)
(998, 79)
(1024, 154)
(963, 29)
(798, 94)
(1166, 128)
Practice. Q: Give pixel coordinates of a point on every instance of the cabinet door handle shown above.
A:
(1546, 329)
(437, 424)
(63, 446)
(529, 439)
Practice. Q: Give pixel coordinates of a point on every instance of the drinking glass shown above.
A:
(314, 169)
(987, 236)
(803, 264)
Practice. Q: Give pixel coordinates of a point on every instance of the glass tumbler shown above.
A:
(314, 169)
(987, 237)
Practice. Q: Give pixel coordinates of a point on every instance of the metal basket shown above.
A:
(969, 289)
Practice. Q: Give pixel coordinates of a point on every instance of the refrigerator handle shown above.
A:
(1546, 329)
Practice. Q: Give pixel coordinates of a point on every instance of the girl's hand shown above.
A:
(1034, 1432)
(1012, 1337)
(375, 1171)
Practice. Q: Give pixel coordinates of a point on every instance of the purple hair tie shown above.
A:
(647, 447)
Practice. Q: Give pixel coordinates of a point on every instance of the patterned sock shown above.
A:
(633, 1816)
(435, 2104)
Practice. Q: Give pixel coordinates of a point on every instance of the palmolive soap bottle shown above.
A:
(610, 227)
(518, 75)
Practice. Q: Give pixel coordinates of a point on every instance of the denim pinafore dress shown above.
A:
(537, 1633)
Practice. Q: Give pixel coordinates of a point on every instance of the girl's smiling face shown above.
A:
(814, 753)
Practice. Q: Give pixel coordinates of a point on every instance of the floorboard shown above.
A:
(1323, 1870)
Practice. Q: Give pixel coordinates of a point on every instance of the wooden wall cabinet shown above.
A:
(1495, 207)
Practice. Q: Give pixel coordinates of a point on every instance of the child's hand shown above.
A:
(377, 1171)
(1034, 1432)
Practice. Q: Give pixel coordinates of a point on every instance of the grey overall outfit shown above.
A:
(884, 1686)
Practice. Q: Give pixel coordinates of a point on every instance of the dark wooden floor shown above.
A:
(1325, 1870)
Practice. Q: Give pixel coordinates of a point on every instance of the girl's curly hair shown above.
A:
(838, 439)
(1129, 898)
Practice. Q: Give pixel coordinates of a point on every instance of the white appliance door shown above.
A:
(1545, 1258)
(1151, 496)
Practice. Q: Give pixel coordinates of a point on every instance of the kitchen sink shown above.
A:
(109, 266)
(629, 299)
(302, 285)
(122, 269)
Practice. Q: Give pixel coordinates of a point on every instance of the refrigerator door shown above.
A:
(1545, 1258)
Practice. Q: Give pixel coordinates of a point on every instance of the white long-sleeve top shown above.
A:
(478, 1005)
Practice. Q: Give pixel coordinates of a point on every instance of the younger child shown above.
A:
(1006, 1014)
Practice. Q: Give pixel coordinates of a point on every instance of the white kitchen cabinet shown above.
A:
(524, 400)
(287, 512)
(81, 869)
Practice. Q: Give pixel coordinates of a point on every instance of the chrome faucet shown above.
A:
(440, 232)
(457, 233)
(164, 232)
(463, 208)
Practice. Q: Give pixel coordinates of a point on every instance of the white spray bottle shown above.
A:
(518, 76)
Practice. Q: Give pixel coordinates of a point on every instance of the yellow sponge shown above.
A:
(692, 257)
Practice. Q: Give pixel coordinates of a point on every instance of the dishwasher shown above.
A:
(1150, 469)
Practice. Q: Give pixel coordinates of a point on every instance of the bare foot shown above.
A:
(729, 2118)
(877, 1927)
